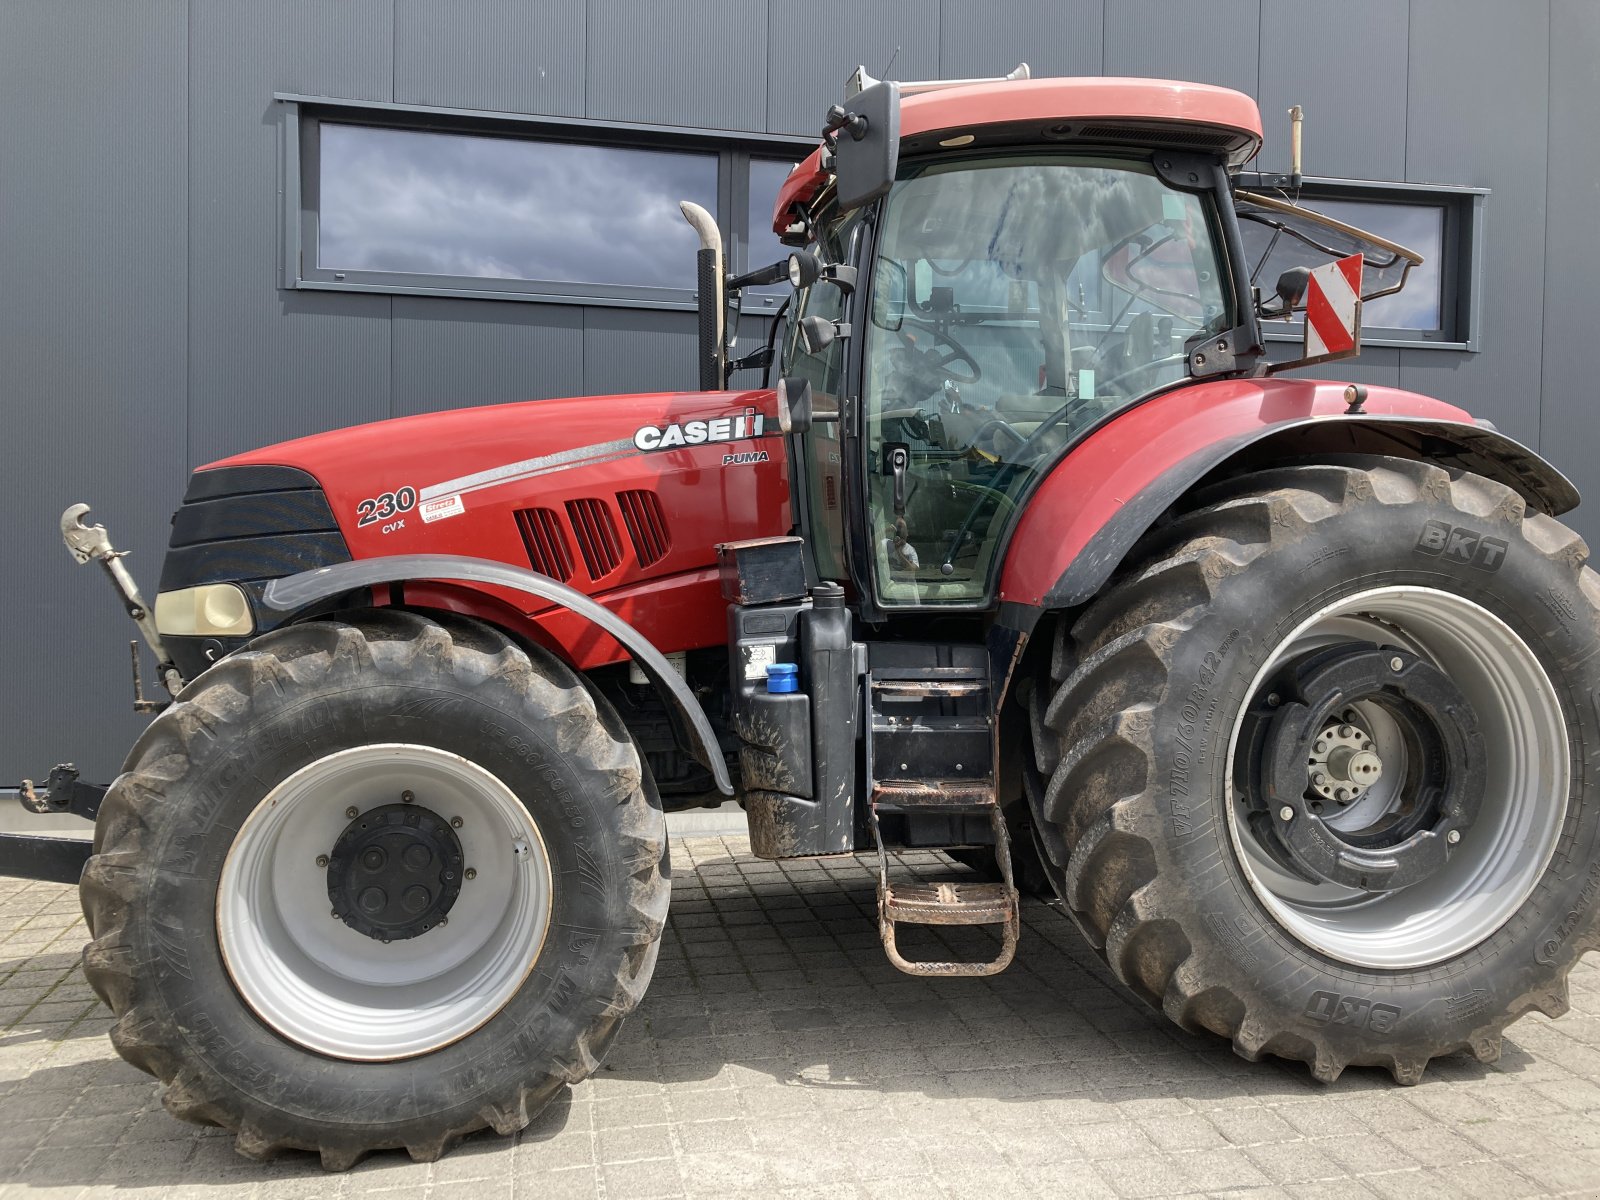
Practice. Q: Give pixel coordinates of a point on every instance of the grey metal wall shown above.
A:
(144, 333)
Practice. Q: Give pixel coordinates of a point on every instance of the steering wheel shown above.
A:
(1131, 372)
(946, 350)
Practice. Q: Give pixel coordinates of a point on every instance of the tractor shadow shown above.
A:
(771, 1001)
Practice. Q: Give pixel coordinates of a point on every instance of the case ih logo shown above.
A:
(748, 424)
(1462, 545)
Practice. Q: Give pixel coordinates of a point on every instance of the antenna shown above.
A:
(890, 63)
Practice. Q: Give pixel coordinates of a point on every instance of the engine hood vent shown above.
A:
(647, 526)
(542, 536)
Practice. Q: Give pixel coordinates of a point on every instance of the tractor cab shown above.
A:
(987, 273)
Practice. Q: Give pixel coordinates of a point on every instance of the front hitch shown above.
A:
(88, 543)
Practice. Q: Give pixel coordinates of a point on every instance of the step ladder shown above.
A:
(925, 759)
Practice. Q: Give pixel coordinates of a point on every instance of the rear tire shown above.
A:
(240, 987)
(1143, 788)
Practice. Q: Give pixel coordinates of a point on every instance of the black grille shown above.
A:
(244, 524)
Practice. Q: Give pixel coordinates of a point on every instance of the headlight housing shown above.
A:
(211, 610)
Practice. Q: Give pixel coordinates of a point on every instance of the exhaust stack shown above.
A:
(713, 306)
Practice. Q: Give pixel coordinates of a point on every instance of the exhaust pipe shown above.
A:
(713, 302)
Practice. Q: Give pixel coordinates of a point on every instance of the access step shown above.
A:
(949, 904)
(933, 795)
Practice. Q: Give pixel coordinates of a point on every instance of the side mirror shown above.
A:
(889, 295)
(866, 149)
(794, 405)
(818, 333)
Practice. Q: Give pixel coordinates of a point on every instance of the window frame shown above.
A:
(300, 139)
(1460, 269)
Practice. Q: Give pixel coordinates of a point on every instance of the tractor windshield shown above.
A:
(1015, 302)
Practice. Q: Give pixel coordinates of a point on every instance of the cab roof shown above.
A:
(1159, 111)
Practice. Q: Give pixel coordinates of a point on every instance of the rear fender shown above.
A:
(293, 594)
(1094, 506)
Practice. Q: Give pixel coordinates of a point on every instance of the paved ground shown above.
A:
(778, 1054)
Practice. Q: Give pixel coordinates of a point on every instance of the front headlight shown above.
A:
(211, 610)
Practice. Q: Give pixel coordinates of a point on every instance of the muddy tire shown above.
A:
(375, 883)
(1433, 637)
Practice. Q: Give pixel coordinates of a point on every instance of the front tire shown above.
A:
(375, 883)
(1294, 909)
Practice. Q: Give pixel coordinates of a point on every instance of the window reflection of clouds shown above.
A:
(766, 177)
(1418, 227)
(486, 207)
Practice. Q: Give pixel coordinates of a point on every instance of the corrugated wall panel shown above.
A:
(1216, 42)
(813, 47)
(1462, 128)
(92, 345)
(1346, 66)
(458, 354)
(267, 364)
(978, 38)
(1569, 429)
(501, 55)
(702, 63)
(635, 350)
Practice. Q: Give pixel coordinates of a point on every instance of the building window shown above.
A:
(406, 201)
(1438, 305)
(399, 199)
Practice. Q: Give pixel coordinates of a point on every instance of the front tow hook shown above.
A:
(88, 543)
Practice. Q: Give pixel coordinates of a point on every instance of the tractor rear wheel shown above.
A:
(1321, 772)
(375, 882)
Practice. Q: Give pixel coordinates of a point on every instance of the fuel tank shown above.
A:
(621, 497)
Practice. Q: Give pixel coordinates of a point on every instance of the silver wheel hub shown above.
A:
(383, 902)
(1370, 779)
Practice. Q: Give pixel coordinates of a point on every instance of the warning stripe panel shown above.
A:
(1332, 304)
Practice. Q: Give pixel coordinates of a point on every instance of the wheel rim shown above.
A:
(326, 986)
(1500, 858)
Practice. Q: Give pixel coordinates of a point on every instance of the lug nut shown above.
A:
(1319, 779)
(1341, 795)
(322, 860)
(1453, 836)
(471, 872)
(1396, 663)
(408, 797)
(1322, 747)
(1273, 699)
(1286, 813)
(352, 813)
(456, 822)
(1345, 731)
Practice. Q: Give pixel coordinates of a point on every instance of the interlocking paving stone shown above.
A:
(778, 1054)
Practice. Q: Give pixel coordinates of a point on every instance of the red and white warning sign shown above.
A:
(1333, 310)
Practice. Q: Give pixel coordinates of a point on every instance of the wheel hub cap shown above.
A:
(395, 872)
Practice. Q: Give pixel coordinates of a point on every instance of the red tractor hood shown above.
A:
(623, 497)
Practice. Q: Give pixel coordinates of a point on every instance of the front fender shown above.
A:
(1092, 508)
(293, 593)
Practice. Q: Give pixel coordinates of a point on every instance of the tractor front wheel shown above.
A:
(376, 882)
(1320, 773)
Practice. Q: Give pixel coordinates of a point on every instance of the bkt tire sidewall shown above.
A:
(1366, 546)
(577, 962)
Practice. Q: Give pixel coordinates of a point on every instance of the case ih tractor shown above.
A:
(1286, 689)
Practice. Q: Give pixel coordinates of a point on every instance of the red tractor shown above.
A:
(1285, 688)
